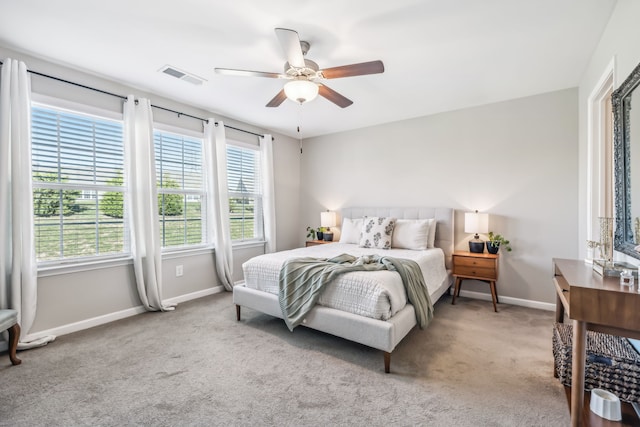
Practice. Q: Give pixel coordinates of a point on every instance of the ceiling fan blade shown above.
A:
(278, 99)
(333, 96)
(372, 67)
(290, 43)
(248, 73)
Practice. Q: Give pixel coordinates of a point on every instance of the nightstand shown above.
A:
(483, 267)
(317, 242)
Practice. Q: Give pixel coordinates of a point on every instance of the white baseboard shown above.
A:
(111, 317)
(195, 295)
(510, 300)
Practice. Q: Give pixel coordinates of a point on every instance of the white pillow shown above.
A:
(377, 232)
(350, 232)
(411, 234)
(431, 240)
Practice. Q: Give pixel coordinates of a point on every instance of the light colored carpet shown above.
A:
(197, 366)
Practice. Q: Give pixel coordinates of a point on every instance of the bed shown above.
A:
(383, 317)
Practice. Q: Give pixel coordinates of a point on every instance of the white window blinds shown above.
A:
(181, 194)
(78, 187)
(245, 193)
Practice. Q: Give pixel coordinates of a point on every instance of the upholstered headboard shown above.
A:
(443, 216)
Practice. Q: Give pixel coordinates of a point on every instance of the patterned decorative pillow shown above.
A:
(377, 232)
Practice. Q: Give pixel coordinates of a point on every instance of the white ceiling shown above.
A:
(438, 55)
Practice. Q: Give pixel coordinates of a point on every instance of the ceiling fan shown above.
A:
(305, 77)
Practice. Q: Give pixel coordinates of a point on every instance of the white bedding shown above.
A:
(377, 294)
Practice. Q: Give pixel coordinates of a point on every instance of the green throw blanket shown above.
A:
(302, 281)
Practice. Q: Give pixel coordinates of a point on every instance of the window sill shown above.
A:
(182, 253)
(249, 244)
(67, 268)
(92, 265)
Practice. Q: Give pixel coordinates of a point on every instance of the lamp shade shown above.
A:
(327, 219)
(475, 222)
(301, 91)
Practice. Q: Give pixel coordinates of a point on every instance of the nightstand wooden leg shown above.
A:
(494, 295)
(456, 290)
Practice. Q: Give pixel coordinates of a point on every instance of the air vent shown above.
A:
(182, 75)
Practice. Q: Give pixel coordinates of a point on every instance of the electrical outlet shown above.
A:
(179, 270)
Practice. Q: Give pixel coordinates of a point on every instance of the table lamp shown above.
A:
(475, 222)
(328, 220)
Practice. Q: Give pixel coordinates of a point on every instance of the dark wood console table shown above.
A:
(595, 303)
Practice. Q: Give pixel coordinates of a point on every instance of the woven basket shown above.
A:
(611, 363)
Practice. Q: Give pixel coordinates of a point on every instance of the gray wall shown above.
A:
(515, 160)
(619, 42)
(79, 297)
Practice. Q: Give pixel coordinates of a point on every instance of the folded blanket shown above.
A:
(302, 281)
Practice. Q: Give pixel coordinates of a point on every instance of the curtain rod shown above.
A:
(125, 98)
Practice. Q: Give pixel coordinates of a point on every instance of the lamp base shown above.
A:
(476, 246)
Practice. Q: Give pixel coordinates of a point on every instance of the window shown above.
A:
(78, 187)
(181, 195)
(245, 193)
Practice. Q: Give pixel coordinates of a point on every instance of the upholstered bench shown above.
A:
(9, 321)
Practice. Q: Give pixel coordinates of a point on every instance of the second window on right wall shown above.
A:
(245, 192)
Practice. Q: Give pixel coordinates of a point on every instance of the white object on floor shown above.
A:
(605, 404)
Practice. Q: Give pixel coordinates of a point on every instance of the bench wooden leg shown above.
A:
(14, 336)
(387, 362)
(237, 312)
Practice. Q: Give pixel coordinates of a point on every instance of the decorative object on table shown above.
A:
(495, 242)
(327, 220)
(475, 222)
(605, 265)
(626, 278)
(613, 269)
(605, 404)
(605, 245)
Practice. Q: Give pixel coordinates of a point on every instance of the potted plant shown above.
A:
(311, 233)
(495, 242)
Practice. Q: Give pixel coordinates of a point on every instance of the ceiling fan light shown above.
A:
(301, 91)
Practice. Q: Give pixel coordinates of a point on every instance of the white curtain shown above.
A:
(268, 192)
(18, 267)
(215, 155)
(142, 202)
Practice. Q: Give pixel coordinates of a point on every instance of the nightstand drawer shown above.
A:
(462, 261)
(484, 272)
(317, 242)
